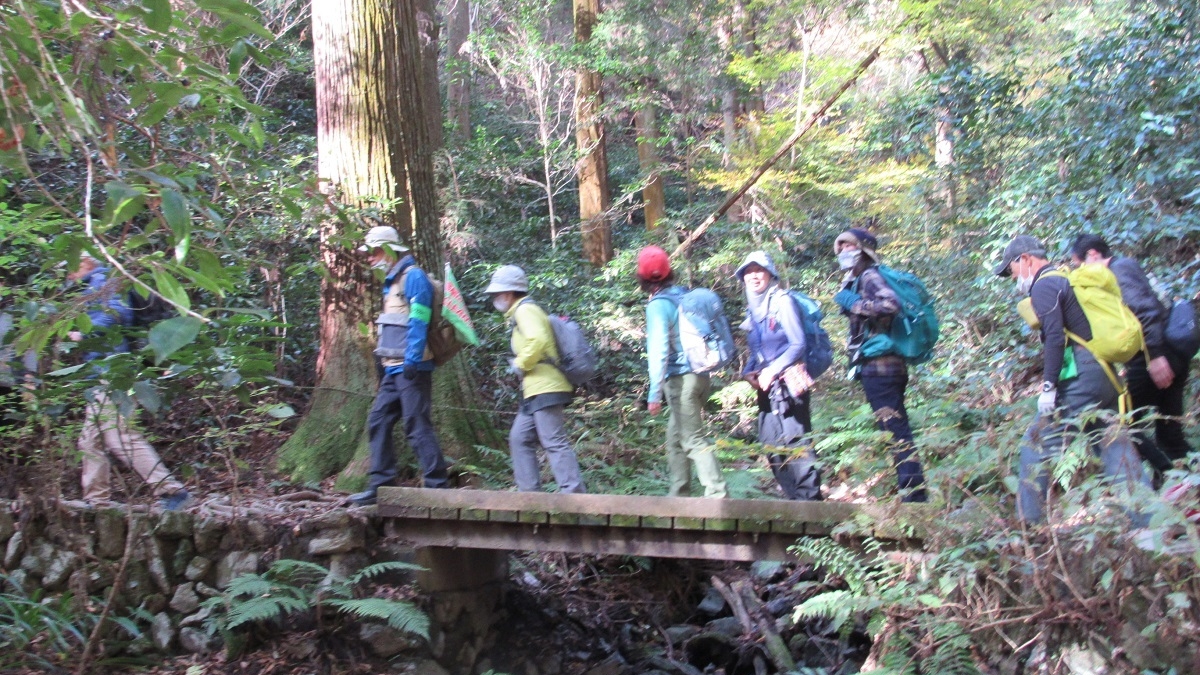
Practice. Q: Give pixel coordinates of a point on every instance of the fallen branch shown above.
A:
(783, 150)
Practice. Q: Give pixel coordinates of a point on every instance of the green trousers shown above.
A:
(686, 395)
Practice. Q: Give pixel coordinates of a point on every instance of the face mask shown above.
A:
(382, 264)
(501, 303)
(848, 259)
(1024, 284)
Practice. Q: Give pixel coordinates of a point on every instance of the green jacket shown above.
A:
(535, 350)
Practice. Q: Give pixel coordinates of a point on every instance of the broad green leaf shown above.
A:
(124, 201)
(210, 265)
(147, 395)
(83, 323)
(182, 244)
(281, 411)
(169, 336)
(158, 15)
(203, 281)
(66, 371)
(175, 211)
(171, 289)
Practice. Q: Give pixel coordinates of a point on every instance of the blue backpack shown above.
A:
(914, 331)
(703, 330)
(818, 348)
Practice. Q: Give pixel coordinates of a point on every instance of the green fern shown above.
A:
(402, 616)
(952, 653)
(372, 571)
(265, 608)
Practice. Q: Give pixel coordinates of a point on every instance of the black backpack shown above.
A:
(147, 310)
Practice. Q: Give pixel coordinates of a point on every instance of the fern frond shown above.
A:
(372, 571)
(402, 616)
(263, 609)
(248, 585)
(835, 558)
(296, 570)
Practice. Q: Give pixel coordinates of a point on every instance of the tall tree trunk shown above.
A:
(428, 33)
(358, 139)
(458, 68)
(647, 147)
(592, 168)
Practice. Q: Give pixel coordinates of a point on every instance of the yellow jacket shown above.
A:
(534, 349)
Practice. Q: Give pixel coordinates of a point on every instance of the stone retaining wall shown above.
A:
(178, 559)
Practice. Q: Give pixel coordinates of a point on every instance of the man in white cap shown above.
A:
(405, 392)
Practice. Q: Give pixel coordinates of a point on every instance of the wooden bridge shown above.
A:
(663, 527)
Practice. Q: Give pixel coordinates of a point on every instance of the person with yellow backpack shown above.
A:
(1086, 331)
(1157, 378)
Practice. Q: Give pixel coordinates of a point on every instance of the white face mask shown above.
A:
(848, 259)
(501, 303)
(1024, 284)
(381, 264)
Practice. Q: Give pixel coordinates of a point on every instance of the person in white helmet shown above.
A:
(405, 392)
(545, 391)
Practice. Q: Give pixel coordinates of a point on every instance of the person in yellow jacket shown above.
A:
(545, 391)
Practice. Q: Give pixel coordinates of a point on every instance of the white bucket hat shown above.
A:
(383, 235)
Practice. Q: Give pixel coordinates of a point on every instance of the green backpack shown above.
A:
(914, 330)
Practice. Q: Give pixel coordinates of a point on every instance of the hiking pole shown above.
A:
(783, 150)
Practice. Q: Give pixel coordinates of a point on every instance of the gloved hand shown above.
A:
(1048, 399)
(410, 371)
(513, 369)
(846, 298)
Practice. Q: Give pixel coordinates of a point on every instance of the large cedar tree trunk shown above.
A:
(358, 153)
(647, 147)
(458, 68)
(592, 169)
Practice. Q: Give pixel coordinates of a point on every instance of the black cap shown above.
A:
(1019, 246)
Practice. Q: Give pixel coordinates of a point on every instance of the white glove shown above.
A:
(513, 369)
(1047, 399)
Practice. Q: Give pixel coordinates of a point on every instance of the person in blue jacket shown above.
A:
(405, 392)
(775, 336)
(685, 391)
(106, 432)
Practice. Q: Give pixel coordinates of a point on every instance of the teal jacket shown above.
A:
(664, 350)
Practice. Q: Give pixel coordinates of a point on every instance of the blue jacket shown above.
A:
(777, 341)
(418, 295)
(664, 350)
(106, 308)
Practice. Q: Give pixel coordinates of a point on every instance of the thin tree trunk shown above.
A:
(458, 68)
(592, 169)
(729, 115)
(652, 195)
(358, 135)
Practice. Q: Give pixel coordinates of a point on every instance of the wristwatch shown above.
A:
(1047, 387)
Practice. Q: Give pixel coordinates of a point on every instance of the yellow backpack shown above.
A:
(1116, 332)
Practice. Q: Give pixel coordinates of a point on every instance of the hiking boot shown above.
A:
(365, 498)
(175, 501)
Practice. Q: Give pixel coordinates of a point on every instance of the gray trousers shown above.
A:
(544, 427)
(1047, 437)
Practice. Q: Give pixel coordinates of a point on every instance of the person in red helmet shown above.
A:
(670, 374)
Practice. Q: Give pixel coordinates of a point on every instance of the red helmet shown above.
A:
(653, 264)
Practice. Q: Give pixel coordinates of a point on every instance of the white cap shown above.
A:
(508, 278)
(383, 235)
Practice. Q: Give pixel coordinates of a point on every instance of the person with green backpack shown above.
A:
(1085, 331)
(878, 359)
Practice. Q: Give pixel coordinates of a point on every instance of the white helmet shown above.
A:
(508, 278)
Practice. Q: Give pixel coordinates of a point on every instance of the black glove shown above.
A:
(410, 371)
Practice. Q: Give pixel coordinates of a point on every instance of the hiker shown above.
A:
(405, 390)
(1156, 385)
(106, 432)
(672, 375)
(871, 305)
(545, 391)
(775, 336)
(1073, 381)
